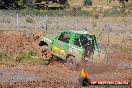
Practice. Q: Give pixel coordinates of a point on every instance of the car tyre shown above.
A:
(71, 62)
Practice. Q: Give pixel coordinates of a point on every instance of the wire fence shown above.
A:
(46, 23)
(106, 32)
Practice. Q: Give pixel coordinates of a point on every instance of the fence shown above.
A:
(106, 31)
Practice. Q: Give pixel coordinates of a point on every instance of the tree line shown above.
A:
(16, 4)
(20, 4)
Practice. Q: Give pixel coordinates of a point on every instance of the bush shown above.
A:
(25, 3)
(87, 3)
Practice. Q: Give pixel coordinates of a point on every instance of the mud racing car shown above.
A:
(72, 46)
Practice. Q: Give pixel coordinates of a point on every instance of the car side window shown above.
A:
(65, 37)
(84, 41)
(77, 41)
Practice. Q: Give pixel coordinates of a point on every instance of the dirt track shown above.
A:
(55, 74)
(51, 76)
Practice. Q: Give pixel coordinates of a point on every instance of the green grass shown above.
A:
(78, 11)
(29, 57)
(36, 12)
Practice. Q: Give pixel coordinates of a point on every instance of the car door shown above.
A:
(75, 48)
(60, 44)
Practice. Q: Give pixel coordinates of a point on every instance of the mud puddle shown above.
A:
(124, 66)
(22, 77)
(7, 75)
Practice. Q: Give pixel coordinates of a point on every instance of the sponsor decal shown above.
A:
(59, 50)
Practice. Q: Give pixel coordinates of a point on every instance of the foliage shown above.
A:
(87, 2)
(16, 4)
(25, 3)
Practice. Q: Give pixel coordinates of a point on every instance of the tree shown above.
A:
(15, 4)
(6, 4)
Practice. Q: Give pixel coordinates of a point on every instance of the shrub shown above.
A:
(25, 3)
(29, 20)
(87, 2)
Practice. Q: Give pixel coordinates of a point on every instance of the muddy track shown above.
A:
(55, 75)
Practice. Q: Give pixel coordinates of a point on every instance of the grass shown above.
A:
(117, 11)
(36, 12)
(23, 58)
(123, 48)
(78, 11)
(29, 20)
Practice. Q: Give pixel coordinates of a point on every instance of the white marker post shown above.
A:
(46, 23)
(17, 22)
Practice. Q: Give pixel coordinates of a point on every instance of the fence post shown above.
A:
(17, 21)
(76, 28)
(46, 23)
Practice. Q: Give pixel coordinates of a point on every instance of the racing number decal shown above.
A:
(59, 50)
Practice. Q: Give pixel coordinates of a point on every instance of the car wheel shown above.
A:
(71, 62)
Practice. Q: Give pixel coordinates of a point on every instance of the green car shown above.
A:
(69, 45)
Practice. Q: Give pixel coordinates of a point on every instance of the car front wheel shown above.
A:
(71, 62)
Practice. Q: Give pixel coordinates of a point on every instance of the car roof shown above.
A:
(78, 32)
